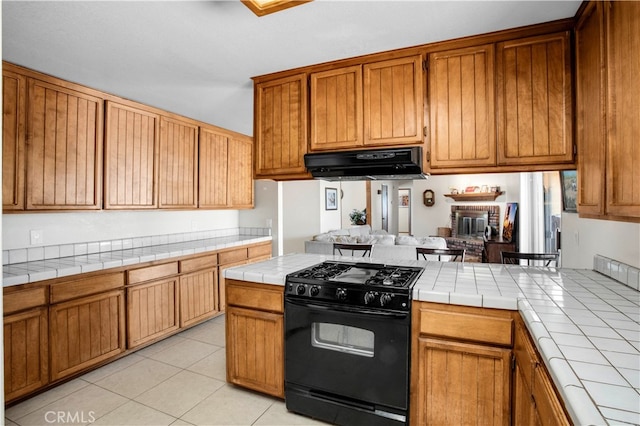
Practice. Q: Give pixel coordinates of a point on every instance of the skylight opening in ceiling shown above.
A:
(265, 7)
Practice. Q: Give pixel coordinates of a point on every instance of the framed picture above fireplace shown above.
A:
(510, 224)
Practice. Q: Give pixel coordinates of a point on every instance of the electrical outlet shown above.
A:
(269, 223)
(37, 238)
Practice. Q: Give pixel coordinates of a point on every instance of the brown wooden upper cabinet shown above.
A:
(225, 174)
(377, 103)
(131, 147)
(607, 110)
(14, 112)
(534, 100)
(462, 108)
(280, 127)
(62, 163)
(178, 171)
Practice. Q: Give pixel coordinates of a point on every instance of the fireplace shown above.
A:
(467, 228)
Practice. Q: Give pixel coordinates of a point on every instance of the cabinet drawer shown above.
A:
(467, 326)
(259, 251)
(263, 297)
(152, 272)
(232, 256)
(195, 264)
(24, 299)
(86, 286)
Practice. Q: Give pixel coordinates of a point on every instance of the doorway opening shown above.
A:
(404, 211)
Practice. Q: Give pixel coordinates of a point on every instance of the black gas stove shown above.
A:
(372, 285)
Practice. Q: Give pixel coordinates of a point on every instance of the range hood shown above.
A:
(375, 164)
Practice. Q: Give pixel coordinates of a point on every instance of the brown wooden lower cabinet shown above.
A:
(535, 399)
(255, 336)
(26, 352)
(86, 331)
(198, 296)
(152, 310)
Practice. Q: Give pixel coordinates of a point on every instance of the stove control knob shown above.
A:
(385, 298)
(300, 289)
(314, 290)
(341, 293)
(369, 297)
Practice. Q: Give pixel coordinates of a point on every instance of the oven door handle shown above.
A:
(350, 309)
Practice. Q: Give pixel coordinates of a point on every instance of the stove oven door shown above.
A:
(349, 355)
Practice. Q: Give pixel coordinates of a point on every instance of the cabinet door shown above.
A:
(255, 350)
(214, 169)
(281, 127)
(548, 408)
(393, 101)
(85, 332)
(14, 112)
(152, 310)
(198, 296)
(26, 353)
(534, 100)
(131, 144)
(64, 153)
(336, 108)
(178, 169)
(240, 183)
(462, 110)
(623, 88)
(591, 135)
(462, 383)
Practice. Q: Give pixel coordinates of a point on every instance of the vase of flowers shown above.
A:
(358, 217)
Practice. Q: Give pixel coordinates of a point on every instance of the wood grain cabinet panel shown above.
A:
(152, 310)
(178, 164)
(255, 350)
(336, 108)
(393, 101)
(240, 184)
(198, 296)
(26, 352)
(14, 112)
(85, 332)
(591, 135)
(463, 383)
(534, 99)
(131, 146)
(213, 170)
(622, 26)
(64, 153)
(280, 121)
(462, 107)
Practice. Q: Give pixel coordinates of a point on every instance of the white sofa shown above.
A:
(385, 246)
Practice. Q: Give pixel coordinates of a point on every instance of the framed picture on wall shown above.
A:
(330, 199)
(569, 185)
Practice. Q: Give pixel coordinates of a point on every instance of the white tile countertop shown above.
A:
(585, 325)
(105, 257)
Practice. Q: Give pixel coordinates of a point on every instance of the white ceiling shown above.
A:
(196, 58)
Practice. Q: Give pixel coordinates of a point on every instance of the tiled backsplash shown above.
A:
(626, 274)
(64, 250)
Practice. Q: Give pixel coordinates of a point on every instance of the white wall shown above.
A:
(67, 228)
(302, 206)
(584, 238)
(265, 213)
(353, 196)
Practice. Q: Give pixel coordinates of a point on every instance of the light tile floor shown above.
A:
(177, 381)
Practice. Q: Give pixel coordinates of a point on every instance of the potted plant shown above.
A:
(358, 217)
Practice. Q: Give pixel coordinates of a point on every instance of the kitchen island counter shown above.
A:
(585, 325)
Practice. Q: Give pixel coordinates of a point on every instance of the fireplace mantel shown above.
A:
(475, 196)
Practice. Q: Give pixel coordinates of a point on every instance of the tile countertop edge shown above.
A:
(155, 253)
(581, 407)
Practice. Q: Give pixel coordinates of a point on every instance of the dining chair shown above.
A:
(364, 248)
(453, 254)
(514, 258)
